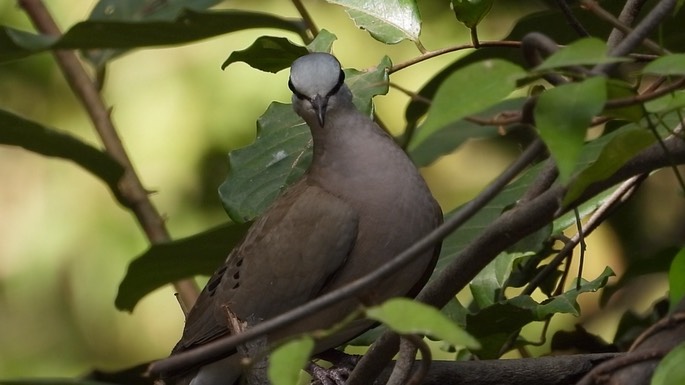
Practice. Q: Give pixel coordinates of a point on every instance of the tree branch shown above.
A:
(130, 186)
(635, 38)
(626, 17)
(558, 370)
(511, 226)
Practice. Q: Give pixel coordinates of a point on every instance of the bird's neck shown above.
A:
(351, 148)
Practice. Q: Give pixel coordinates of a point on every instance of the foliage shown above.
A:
(633, 100)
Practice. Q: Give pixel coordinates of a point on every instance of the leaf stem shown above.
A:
(431, 54)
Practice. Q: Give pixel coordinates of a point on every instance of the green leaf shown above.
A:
(323, 42)
(17, 44)
(405, 316)
(188, 26)
(17, 131)
(286, 361)
(566, 303)
(168, 262)
(547, 20)
(676, 279)
(468, 91)
(669, 102)
(454, 243)
(486, 287)
(672, 64)
(587, 51)
(671, 370)
(140, 11)
(619, 89)
(494, 325)
(135, 10)
(448, 138)
(367, 84)
(563, 115)
(268, 53)
(389, 22)
(614, 155)
(280, 155)
(282, 151)
(471, 12)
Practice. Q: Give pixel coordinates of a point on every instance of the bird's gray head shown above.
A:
(314, 79)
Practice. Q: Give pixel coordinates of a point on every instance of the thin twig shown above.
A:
(571, 19)
(442, 51)
(645, 96)
(597, 218)
(308, 20)
(583, 246)
(131, 188)
(504, 118)
(660, 140)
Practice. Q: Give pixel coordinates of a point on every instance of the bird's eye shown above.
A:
(341, 81)
(294, 90)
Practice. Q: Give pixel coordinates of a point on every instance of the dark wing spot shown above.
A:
(215, 280)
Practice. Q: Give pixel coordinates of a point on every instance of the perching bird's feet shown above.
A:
(343, 364)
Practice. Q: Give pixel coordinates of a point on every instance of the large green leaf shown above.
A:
(405, 316)
(282, 151)
(323, 42)
(388, 21)
(468, 91)
(471, 12)
(563, 115)
(582, 52)
(272, 54)
(286, 361)
(451, 136)
(614, 155)
(136, 10)
(168, 262)
(672, 64)
(669, 102)
(671, 370)
(488, 284)
(676, 279)
(280, 154)
(17, 131)
(140, 11)
(268, 53)
(188, 26)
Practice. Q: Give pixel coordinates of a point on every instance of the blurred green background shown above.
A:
(65, 243)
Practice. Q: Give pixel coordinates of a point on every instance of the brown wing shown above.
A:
(286, 257)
